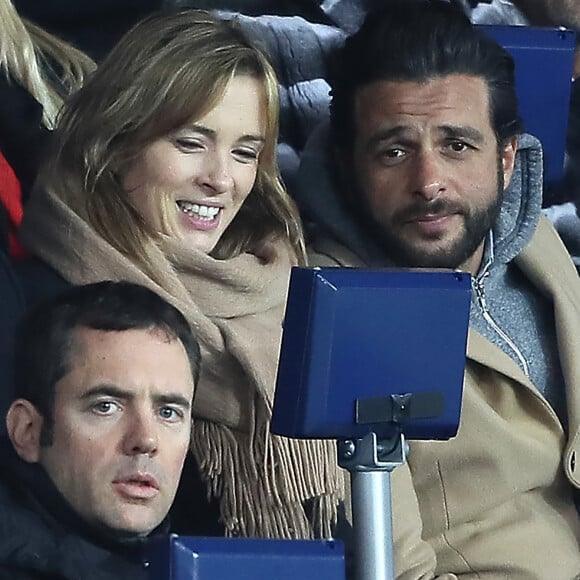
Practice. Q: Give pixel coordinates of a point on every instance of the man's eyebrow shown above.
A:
(212, 134)
(401, 131)
(462, 131)
(114, 391)
(107, 390)
(387, 133)
(172, 399)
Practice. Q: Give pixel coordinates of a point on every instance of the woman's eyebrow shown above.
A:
(212, 134)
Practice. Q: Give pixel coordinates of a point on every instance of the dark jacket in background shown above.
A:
(22, 136)
(22, 142)
(93, 27)
(12, 307)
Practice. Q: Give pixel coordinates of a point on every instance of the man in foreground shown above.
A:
(99, 432)
(419, 169)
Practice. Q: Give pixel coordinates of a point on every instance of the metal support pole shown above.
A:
(373, 531)
(370, 464)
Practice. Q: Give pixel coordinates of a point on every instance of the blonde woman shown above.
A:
(164, 174)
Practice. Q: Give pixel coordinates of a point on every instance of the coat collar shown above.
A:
(548, 266)
(554, 273)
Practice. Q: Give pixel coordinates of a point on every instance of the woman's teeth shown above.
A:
(194, 209)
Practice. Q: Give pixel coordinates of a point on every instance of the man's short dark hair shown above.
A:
(418, 40)
(45, 337)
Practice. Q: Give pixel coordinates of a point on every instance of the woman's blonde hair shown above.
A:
(47, 67)
(166, 72)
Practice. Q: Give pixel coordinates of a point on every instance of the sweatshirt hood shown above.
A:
(320, 200)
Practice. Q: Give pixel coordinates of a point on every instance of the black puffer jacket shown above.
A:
(12, 306)
(41, 538)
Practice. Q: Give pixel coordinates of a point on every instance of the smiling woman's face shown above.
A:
(191, 184)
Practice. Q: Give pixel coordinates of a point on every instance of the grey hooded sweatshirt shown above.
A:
(506, 309)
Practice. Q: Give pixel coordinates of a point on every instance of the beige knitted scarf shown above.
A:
(235, 307)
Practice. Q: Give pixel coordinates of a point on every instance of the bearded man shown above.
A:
(424, 165)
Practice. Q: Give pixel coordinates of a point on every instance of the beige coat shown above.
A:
(496, 501)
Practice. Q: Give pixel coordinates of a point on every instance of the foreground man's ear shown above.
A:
(24, 424)
(508, 160)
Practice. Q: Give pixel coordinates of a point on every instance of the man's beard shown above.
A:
(476, 225)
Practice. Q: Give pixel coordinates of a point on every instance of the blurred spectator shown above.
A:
(37, 72)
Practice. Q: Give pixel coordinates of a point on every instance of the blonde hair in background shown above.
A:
(165, 73)
(31, 56)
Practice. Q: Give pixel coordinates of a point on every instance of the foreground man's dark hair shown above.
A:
(45, 338)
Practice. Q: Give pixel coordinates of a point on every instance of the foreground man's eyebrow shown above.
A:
(173, 399)
(116, 392)
(107, 390)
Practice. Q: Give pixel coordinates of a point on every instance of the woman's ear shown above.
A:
(24, 424)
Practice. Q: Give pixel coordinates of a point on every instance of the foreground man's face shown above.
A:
(122, 420)
(428, 171)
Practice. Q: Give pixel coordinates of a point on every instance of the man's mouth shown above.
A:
(432, 211)
(137, 486)
(432, 225)
(432, 217)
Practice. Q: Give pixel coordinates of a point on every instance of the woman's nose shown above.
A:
(216, 176)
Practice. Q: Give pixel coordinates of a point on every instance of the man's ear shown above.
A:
(508, 159)
(24, 424)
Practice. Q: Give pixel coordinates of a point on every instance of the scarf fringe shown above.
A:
(269, 486)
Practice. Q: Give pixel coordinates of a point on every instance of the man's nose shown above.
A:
(217, 175)
(428, 175)
(141, 437)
